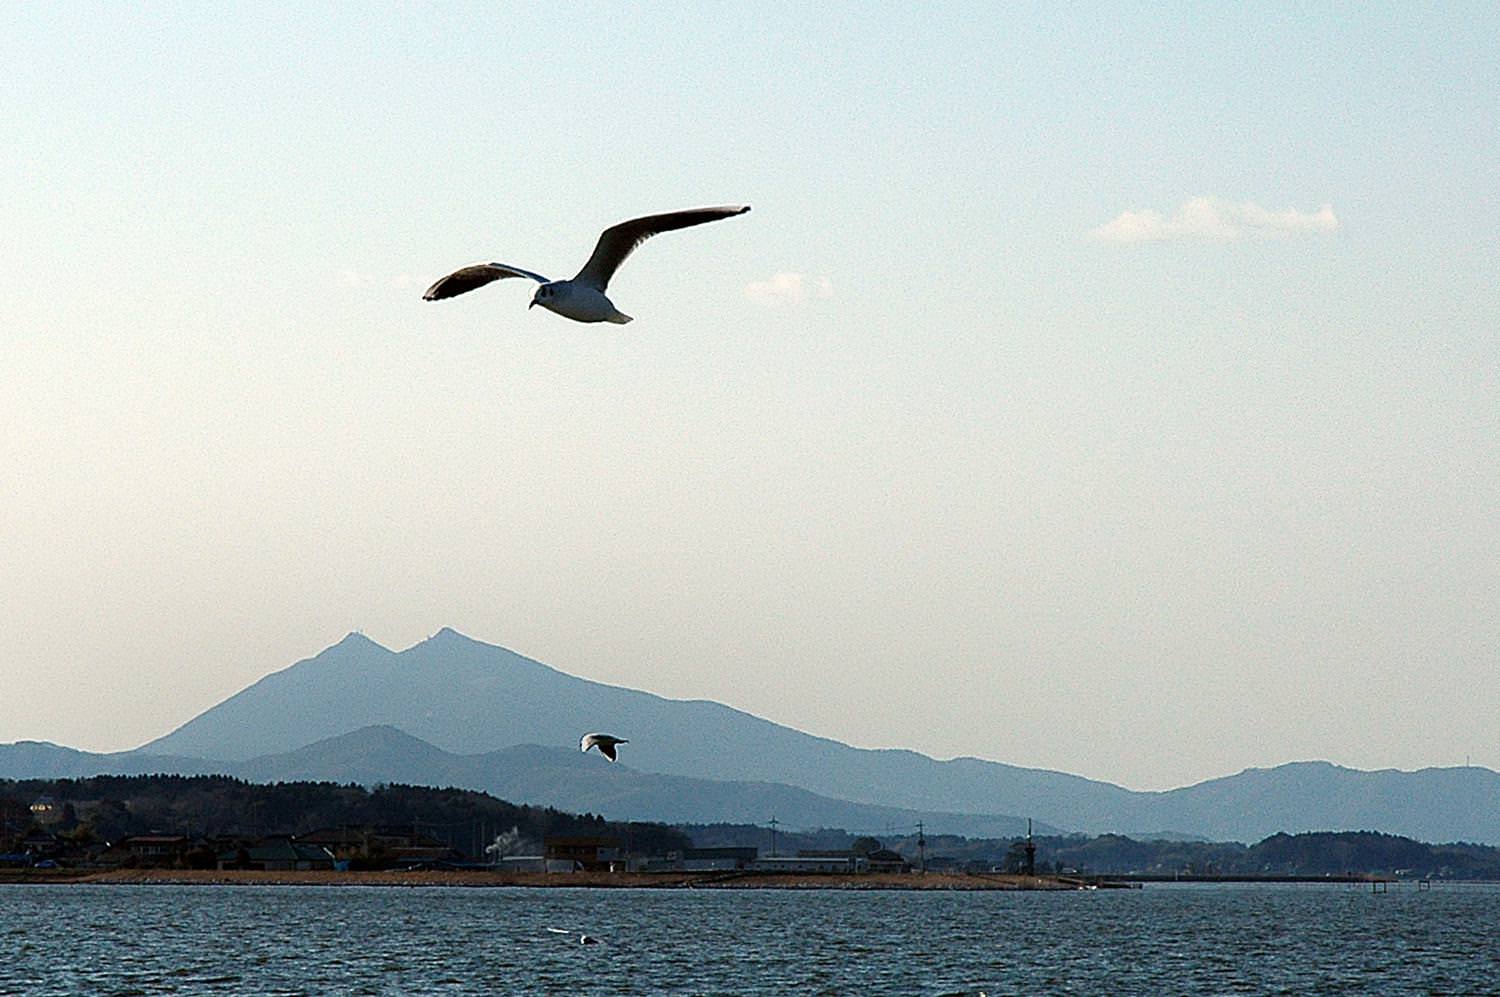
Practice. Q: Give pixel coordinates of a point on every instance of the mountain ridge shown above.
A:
(465, 697)
(536, 775)
(460, 721)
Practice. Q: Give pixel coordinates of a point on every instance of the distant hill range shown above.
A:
(452, 711)
(556, 777)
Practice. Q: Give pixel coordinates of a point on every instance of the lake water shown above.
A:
(120, 940)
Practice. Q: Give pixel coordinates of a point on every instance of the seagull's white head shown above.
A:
(544, 296)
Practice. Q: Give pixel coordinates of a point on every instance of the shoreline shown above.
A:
(541, 880)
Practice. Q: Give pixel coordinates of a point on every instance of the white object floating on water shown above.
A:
(582, 298)
(604, 742)
(583, 937)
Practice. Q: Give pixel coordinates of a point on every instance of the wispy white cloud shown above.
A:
(1216, 220)
(788, 290)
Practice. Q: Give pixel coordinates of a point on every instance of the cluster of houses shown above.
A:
(384, 847)
(750, 859)
(398, 847)
(604, 854)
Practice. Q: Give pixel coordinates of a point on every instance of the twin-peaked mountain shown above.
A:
(454, 711)
(467, 697)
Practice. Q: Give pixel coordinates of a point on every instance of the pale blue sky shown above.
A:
(1096, 388)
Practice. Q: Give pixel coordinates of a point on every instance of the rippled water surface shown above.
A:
(390, 940)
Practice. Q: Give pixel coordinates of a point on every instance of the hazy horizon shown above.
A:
(1101, 389)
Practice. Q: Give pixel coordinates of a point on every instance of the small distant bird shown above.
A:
(582, 298)
(604, 742)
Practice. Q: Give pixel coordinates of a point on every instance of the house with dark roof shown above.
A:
(150, 851)
(885, 860)
(153, 849)
(277, 853)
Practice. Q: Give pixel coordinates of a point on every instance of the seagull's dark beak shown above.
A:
(530, 306)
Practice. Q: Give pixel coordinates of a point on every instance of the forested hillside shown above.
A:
(106, 808)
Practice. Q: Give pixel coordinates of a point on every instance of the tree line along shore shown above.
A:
(135, 828)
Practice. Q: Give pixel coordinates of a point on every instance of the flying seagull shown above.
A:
(582, 298)
(604, 742)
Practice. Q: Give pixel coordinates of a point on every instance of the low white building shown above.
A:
(525, 863)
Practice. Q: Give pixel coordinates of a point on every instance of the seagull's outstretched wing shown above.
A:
(618, 241)
(477, 275)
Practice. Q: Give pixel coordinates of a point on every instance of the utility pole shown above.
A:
(774, 822)
(921, 849)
